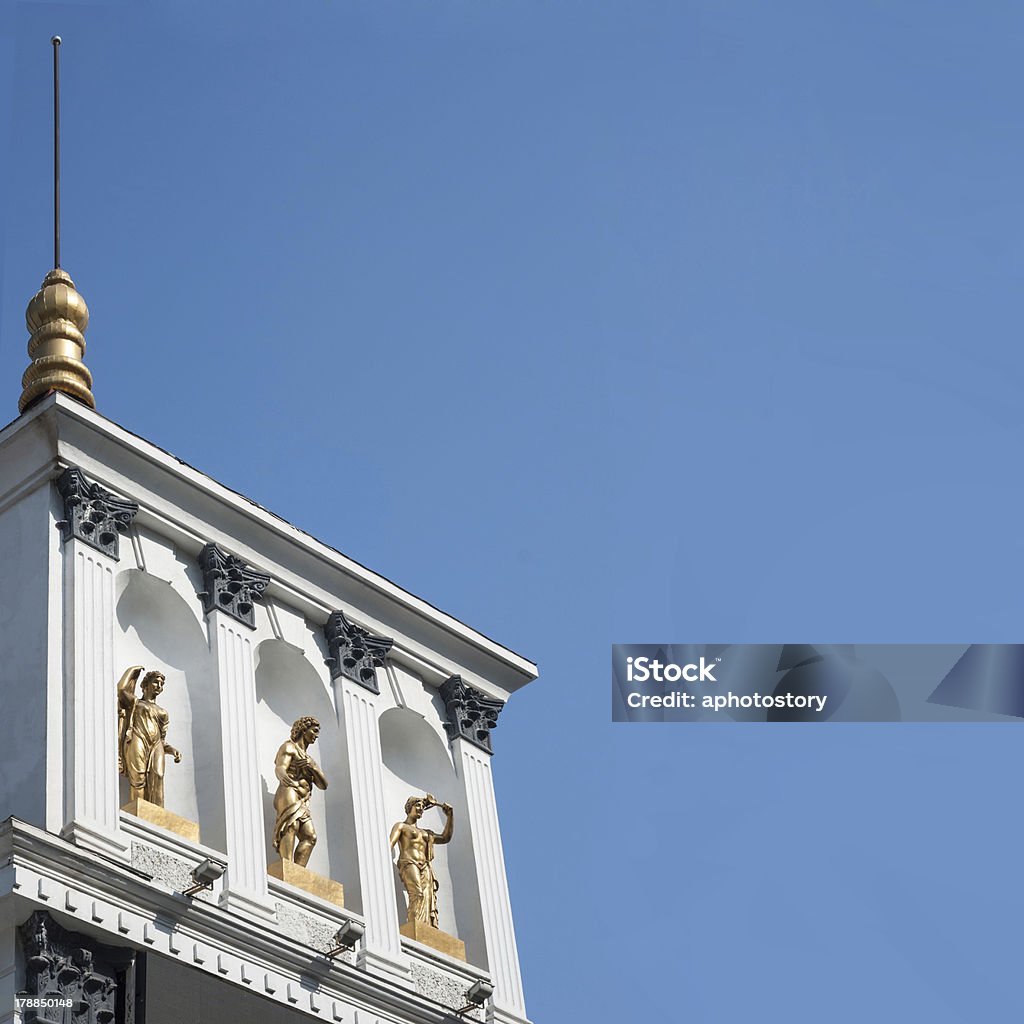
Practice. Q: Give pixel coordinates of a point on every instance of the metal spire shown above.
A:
(57, 315)
(56, 151)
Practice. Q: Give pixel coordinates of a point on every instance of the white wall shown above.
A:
(289, 686)
(29, 545)
(417, 760)
(159, 624)
(157, 628)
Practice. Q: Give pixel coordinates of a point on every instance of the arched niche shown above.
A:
(417, 761)
(289, 687)
(159, 631)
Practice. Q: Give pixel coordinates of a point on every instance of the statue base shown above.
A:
(302, 878)
(435, 938)
(164, 818)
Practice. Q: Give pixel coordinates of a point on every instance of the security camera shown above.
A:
(345, 938)
(204, 875)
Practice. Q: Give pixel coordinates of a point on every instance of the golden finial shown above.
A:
(57, 315)
(56, 318)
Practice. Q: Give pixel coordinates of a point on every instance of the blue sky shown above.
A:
(593, 323)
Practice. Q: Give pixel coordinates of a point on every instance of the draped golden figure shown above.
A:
(297, 773)
(141, 735)
(416, 855)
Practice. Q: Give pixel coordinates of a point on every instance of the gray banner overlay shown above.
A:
(817, 682)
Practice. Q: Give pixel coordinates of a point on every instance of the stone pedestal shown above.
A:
(435, 938)
(302, 878)
(164, 818)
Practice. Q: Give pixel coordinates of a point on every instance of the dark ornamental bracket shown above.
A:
(230, 585)
(92, 514)
(471, 714)
(356, 653)
(68, 965)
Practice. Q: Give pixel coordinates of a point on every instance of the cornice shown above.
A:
(172, 493)
(114, 901)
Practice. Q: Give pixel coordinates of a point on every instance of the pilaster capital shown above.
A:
(92, 514)
(230, 585)
(356, 653)
(471, 714)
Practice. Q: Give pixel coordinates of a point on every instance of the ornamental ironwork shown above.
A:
(471, 714)
(92, 514)
(356, 653)
(230, 585)
(76, 978)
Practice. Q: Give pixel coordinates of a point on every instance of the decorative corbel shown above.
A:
(356, 653)
(230, 585)
(92, 514)
(471, 714)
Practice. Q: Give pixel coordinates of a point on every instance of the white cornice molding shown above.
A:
(122, 906)
(469, 972)
(191, 509)
(27, 484)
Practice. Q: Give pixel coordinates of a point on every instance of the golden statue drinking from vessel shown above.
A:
(416, 856)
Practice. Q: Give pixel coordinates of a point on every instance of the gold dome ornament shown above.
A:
(56, 318)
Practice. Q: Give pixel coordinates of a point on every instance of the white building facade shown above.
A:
(115, 554)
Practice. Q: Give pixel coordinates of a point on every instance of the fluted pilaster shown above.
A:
(245, 886)
(382, 952)
(93, 819)
(474, 768)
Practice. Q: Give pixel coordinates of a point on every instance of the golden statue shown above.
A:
(141, 735)
(297, 773)
(416, 855)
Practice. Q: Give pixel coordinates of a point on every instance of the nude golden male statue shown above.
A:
(297, 773)
(416, 855)
(142, 734)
